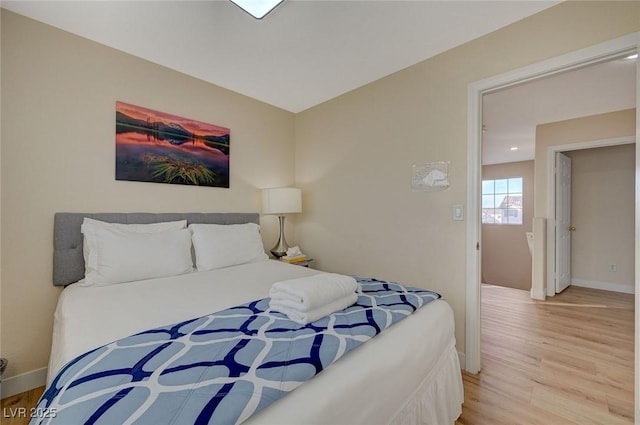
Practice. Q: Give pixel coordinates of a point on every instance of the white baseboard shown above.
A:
(463, 360)
(24, 382)
(538, 295)
(605, 286)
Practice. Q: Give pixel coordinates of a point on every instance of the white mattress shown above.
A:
(390, 379)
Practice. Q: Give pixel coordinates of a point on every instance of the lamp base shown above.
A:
(280, 250)
(278, 254)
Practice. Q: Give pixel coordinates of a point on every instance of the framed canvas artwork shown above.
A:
(157, 147)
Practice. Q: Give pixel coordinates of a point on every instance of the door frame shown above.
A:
(578, 59)
(551, 197)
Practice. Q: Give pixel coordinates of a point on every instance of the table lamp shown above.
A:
(280, 201)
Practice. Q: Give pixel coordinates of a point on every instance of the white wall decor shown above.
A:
(430, 177)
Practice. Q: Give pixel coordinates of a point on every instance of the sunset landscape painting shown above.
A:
(156, 147)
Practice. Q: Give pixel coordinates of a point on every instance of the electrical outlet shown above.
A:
(613, 268)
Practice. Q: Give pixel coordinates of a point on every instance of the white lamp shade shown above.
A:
(282, 200)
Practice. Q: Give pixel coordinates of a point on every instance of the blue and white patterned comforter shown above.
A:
(220, 368)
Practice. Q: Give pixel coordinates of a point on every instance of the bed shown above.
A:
(408, 374)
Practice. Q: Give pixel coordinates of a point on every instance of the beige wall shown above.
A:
(506, 260)
(603, 213)
(579, 130)
(58, 146)
(354, 153)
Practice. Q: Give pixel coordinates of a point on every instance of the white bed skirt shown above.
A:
(438, 399)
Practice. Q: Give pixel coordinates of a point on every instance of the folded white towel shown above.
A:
(304, 317)
(308, 293)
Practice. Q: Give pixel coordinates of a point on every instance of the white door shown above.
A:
(563, 222)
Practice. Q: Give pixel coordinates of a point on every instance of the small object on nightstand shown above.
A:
(291, 260)
(295, 256)
(304, 263)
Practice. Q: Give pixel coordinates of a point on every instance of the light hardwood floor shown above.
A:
(16, 410)
(565, 361)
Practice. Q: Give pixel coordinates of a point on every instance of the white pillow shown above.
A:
(89, 224)
(224, 245)
(119, 256)
(140, 228)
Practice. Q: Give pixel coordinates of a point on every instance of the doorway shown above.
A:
(589, 56)
(601, 270)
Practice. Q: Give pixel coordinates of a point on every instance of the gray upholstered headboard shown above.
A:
(68, 261)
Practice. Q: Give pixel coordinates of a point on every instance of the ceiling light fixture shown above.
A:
(513, 148)
(633, 56)
(257, 8)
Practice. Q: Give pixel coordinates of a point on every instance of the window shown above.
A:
(502, 201)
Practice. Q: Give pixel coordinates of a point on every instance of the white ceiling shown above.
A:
(510, 116)
(301, 54)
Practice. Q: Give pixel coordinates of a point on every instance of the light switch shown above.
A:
(458, 212)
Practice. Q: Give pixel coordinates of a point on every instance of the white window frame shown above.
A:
(507, 194)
